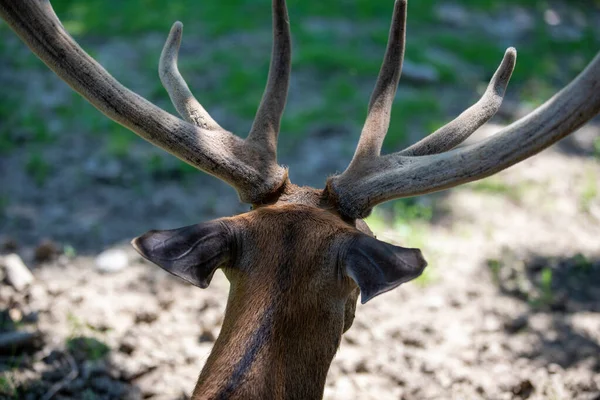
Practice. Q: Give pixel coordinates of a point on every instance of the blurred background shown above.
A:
(509, 307)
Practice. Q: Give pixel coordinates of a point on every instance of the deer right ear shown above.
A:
(192, 253)
(378, 267)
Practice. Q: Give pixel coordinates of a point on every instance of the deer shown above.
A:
(300, 258)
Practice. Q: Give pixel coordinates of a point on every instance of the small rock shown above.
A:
(456, 302)
(53, 375)
(46, 251)
(15, 314)
(206, 337)
(127, 345)
(524, 389)
(94, 368)
(17, 273)
(112, 260)
(428, 367)
(55, 288)
(6, 322)
(75, 386)
(491, 323)
(554, 368)
(38, 296)
(411, 340)
(517, 324)
(104, 384)
(131, 369)
(344, 388)
(349, 360)
(31, 317)
(8, 244)
(361, 367)
(146, 316)
(165, 302)
(559, 303)
(435, 302)
(52, 357)
(38, 367)
(134, 393)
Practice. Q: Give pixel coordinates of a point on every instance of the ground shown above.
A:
(509, 306)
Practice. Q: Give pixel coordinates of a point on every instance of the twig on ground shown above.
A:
(66, 380)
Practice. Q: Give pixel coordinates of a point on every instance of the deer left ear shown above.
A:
(192, 253)
(378, 267)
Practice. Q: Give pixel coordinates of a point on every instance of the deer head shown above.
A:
(298, 260)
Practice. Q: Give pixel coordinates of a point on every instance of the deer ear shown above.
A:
(378, 267)
(192, 253)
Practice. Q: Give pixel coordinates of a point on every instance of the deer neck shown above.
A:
(264, 352)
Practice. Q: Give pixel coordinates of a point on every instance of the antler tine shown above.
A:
(222, 154)
(458, 130)
(182, 98)
(265, 128)
(382, 99)
(392, 176)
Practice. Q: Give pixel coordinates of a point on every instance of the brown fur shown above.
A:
(296, 268)
(287, 288)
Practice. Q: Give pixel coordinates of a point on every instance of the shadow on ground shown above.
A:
(82, 367)
(562, 295)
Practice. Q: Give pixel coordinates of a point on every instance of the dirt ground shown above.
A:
(487, 323)
(509, 307)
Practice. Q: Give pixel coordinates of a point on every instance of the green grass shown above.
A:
(92, 349)
(81, 339)
(546, 285)
(581, 263)
(222, 17)
(7, 386)
(38, 168)
(324, 48)
(404, 216)
(20, 125)
(421, 110)
(162, 168)
(491, 186)
(69, 251)
(4, 202)
(6, 142)
(340, 46)
(119, 141)
(495, 186)
(495, 267)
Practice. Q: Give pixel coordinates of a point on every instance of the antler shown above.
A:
(380, 106)
(429, 166)
(182, 98)
(250, 165)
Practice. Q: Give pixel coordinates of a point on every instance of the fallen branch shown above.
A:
(12, 342)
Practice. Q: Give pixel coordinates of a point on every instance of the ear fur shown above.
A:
(192, 253)
(378, 267)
